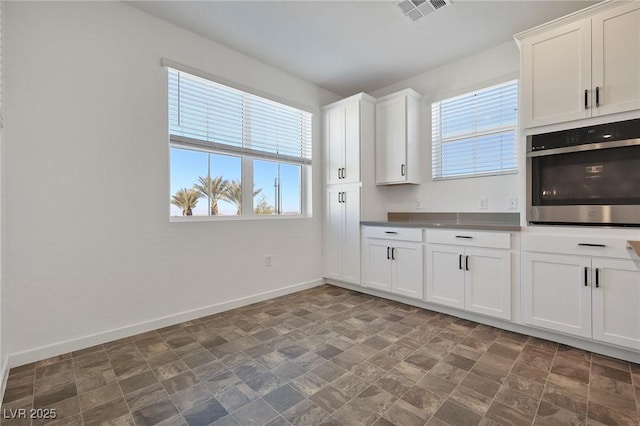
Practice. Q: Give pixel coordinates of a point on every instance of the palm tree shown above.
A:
(212, 189)
(233, 194)
(186, 199)
(263, 207)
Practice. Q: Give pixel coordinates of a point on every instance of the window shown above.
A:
(475, 134)
(231, 149)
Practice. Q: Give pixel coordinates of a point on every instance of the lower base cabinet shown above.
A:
(472, 276)
(392, 264)
(585, 296)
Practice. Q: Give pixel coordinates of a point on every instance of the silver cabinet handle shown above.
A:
(402, 169)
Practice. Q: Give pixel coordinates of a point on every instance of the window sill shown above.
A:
(187, 219)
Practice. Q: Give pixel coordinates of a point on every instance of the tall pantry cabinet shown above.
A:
(350, 191)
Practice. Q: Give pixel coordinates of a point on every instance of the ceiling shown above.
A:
(352, 46)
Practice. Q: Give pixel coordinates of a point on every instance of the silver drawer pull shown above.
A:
(591, 245)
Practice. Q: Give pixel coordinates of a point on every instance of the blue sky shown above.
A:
(188, 165)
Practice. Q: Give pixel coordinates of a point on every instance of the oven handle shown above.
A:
(587, 147)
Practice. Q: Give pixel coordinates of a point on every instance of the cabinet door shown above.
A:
(616, 302)
(351, 241)
(445, 278)
(556, 71)
(616, 59)
(352, 143)
(335, 143)
(488, 282)
(334, 234)
(377, 264)
(407, 277)
(556, 292)
(391, 139)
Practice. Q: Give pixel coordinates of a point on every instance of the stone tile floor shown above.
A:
(327, 356)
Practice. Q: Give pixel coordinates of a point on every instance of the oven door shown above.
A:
(590, 184)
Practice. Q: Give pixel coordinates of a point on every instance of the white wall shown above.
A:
(486, 68)
(4, 356)
(88, 246)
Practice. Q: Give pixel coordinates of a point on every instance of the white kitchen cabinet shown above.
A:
(584, 66)
(343, 139)
(488, 282)
(616, 59)
(351, 194)
(473, 278)
(393, 264)
(570, 286)
(377, 266)
(556, 294)
(342, 233)
(445, 276)
(397, 138)
(616, 302)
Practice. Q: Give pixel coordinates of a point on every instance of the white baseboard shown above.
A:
(587, 345)
(44, 352)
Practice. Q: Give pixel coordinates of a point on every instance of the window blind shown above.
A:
(475, 134)
(212, 116)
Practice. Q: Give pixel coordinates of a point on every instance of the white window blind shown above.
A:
(475, 134)
(216, 117)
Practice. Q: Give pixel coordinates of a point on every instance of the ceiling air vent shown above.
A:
(416, 9)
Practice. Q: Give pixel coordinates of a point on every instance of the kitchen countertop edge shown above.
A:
(445, 225)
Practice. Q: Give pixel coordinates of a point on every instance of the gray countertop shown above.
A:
(472, 221)
(447, 225)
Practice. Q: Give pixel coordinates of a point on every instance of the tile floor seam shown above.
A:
(33, 394)
(544, 387)
(589, 387)
(457, 384)
(460, 384)
(75, 378)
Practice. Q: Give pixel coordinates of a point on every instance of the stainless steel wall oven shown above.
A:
(589, 175)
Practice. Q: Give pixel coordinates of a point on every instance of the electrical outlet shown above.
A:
(484, 203)
(267, 260)
(513, 203)
(418, 204)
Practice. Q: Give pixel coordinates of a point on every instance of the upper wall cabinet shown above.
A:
(398, 138)
(343, 133)
(585, 66)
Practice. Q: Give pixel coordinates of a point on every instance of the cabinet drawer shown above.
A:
(461, 237)
(392, 233)
(588, 246)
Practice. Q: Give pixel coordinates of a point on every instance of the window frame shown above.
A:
(247, 158)
(436, 143)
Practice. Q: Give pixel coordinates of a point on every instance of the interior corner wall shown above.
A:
(486, 68)
(89, 252)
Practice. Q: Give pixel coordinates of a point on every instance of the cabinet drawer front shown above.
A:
(588, 246)
(462, 237)
(391, 233)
